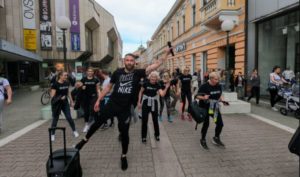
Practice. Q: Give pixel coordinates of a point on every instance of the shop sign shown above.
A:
(28, 14)
(75, 41)
(29, 39)
(180, 47)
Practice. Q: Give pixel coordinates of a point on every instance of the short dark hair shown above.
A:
(275, 67)
(131, 55)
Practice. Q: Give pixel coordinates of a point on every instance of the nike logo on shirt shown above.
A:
(125, 84)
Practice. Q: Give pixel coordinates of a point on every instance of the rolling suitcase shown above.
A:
(294, 145)
(63, 162)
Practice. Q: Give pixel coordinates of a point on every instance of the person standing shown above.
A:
(231, 80)
(210, 94)
(124, 82)
(148, 103)
(59, 102)
(199, 77)
(239, 85)
(5, 98)
(274, 83)
(90, 91)
(255, 86)
(186, 91)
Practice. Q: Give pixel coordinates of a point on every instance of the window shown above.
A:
(183, 23)
(177, 28)
(88, 39)
(193, 67)
(194, 15)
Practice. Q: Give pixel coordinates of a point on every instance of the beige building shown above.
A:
(30, 29)
(194, 28)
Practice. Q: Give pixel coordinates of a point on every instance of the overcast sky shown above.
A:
(137, 19)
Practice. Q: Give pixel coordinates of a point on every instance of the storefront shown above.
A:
(277, 44)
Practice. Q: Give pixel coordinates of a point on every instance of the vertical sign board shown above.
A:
(29, 26)
(75, 24)
(60, 10)
(45, 25)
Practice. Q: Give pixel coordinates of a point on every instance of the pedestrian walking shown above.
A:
(199, 77)
(59, 102)
(210, 94)
(174, 92)
(255, 86)
(124, 82)
(90, 90)
(186, 92)
(105, 76)
(148, 103)
(275, 82)
(5, 98)
(195, 84)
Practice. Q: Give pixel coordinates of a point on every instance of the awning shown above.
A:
(11, 52)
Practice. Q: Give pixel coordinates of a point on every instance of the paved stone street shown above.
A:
(253, 148)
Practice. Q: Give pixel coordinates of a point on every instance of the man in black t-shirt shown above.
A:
(210, 94)
(124, 82)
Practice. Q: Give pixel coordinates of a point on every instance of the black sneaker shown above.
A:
(203, 144)
(80, 144)
(216, 141)
(157, 138)
(144, 140)
(124, 163)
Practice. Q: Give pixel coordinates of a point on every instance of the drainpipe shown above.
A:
(246, 46)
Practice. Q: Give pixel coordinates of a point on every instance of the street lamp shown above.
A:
(227, 26)
(64, 24)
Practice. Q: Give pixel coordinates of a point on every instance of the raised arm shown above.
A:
(158, 62)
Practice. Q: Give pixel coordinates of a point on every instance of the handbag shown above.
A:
(272, 86)
(198, 113)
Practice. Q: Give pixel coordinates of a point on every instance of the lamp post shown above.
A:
(64, 24)
(227, 26)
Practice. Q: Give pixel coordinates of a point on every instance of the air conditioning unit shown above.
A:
(1, 3)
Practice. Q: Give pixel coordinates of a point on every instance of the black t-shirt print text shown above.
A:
(91, 86)
(151, 89)
(126, 85)
(61, 89)
(186, 82)
(214, 92)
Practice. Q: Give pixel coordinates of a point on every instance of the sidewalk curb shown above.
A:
(21, 132)
(273, 123)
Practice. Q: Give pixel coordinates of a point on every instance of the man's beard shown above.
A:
(129, 67)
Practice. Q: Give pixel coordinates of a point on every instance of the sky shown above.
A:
(137, 20)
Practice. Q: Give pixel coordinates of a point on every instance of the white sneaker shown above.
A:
(274, 109)
(76, 134)
(86, 128)
(52, 137)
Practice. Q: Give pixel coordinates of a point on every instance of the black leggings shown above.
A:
(219, 126)
(145, 115)
(122, 113)
(184, 95)
(162, 101)
(255, 91)
(274, 97)
(88, 107)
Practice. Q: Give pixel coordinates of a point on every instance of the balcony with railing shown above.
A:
(211, 10)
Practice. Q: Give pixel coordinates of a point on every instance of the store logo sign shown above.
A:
(28, 14)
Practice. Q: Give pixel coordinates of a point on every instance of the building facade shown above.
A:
(273, 37)
(30, 27)
(194, 28)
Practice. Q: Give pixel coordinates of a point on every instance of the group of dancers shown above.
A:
(129, 89)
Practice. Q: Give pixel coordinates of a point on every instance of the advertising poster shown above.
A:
(29, 39)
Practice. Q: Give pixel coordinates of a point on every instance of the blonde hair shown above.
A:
(154, 73)
(214, 75)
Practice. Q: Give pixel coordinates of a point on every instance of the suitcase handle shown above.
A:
(65, 146)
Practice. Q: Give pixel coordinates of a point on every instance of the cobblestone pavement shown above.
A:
(24, 111)
(253, 148)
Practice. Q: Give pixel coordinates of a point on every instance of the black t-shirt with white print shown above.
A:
(91, 86)
(173, 82)
(214, 93)
(126, 85)
(151, 89)
(62, 89)
(185, 82)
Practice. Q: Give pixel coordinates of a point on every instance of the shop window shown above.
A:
(89, 39)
